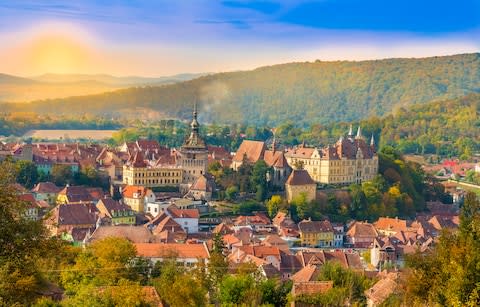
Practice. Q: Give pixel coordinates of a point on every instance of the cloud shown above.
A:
(265, 7)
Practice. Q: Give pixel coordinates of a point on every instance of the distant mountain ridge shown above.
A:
(113, 80)
(51, 86)
(304, 93)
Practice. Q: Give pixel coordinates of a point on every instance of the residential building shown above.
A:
(74, 195)
(189, 255)
(201, 189)
(361, 234)
(349, 160)
(381, 290)
(137, 196)
(117, 213)
(134, 234)
(186, 218)
(46, 191)
(299, 182)
(316, 233)
(157, 207)
(66, 218)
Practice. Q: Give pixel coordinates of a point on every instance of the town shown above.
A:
(262, 209)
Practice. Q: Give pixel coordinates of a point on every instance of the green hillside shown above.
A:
(305, 93)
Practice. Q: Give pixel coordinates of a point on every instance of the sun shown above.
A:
(57, 54)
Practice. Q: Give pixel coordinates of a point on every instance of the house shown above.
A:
(167, 230)
(74, 195)
(280, 168)
(259, 222)
(34, 208)
(299, 182)
(266, 254)
(186, 218)
(137, 196)
(76, 220)
(46, 191)
(134, 234)
(117, 213)
(390, 226)
(310, 272)
(361, 234)
(187, 254)
(320, 257)
(157, 207)
(384, 250)
(201, 189)
(316, 233)
(381, 290)
(338, 234)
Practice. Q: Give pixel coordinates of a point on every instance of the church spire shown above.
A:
(372, 141)
(350, 131)
(359, 133)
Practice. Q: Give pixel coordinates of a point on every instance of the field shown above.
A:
(69, 134)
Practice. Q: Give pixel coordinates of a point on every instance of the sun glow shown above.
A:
(57, 53)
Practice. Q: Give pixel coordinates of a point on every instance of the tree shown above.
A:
(239, 289)
(231, 193)
(61, 174)
(450, 275)
(273, 205)
(23, 243)
(27, 173)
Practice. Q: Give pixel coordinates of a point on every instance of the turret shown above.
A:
(359, 133)
(350, 131)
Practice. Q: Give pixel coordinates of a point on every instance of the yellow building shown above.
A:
(137, 172)
(137, 196)
(350, 160)
(300, 182)
(316, 233)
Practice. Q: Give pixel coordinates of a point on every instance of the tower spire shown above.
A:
(359, 133)
(194, 124)
(372, 141)
(350, 131)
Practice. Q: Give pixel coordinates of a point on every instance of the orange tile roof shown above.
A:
(129, 190)
(299, 177)
(180, 250)
(253, 149)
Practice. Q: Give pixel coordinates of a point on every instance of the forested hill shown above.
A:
(305, 93)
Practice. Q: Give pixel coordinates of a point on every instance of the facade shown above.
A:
(186, 218)
(137, 196)
(350, 160)
(119, 214)
(46, 191)
(300, 182)
(316, 233)
(156, 208)
(193, 155)
(136, 171)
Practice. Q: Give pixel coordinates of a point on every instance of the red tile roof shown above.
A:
(299, 177)
(254, 150)
(159, 250)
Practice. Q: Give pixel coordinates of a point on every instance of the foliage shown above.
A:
(23, 243)
(274, 204)
(27, 173)
(450, 274)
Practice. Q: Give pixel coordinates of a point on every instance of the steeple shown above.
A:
(194, 124)
(350, 131)
(359, 133)
(372, 141)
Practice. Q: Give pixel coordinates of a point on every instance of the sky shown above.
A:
(160, 38)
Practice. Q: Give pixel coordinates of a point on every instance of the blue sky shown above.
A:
(166, 37)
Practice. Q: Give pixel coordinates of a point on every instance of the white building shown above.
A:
(187, 218)
(156, 208)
